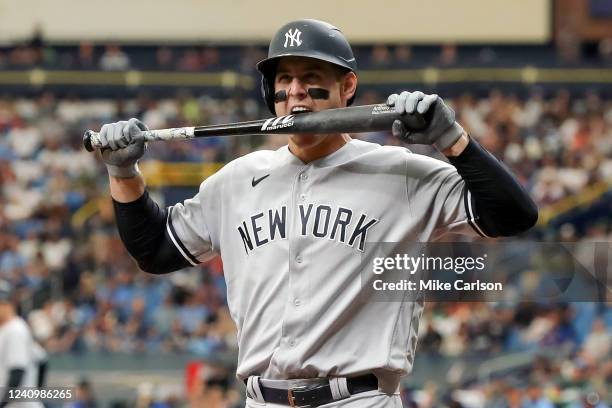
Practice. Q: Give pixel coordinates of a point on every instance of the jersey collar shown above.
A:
(347, 152)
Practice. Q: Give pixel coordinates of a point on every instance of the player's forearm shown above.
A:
(142, 228)
(501, 204)
(459, 146)
(126, 190)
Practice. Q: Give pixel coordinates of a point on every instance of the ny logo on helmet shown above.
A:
(293, 38)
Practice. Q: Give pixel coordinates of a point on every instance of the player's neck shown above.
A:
(326, 145)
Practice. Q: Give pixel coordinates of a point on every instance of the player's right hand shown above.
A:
(122, 147)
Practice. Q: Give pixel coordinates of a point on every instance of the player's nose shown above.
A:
(297, 89)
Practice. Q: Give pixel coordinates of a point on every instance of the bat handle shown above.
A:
(91, 140)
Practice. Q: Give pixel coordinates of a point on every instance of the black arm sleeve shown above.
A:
(142, 228)
(500, 204)
(15, 376)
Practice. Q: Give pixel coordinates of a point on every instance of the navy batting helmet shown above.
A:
(305, 38)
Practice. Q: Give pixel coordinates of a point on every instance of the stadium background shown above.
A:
(531, 80)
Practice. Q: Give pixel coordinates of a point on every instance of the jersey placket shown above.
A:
(294, 318)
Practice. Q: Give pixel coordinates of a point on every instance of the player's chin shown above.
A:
(305, 141)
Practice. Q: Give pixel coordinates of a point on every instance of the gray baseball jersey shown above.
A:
(19, 350)
(293, 237)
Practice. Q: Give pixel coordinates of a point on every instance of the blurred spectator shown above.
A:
(250, 56)
(448, 55)
(381, 57)
(37, 44)
(431, 341)
(85, 397)
(568, 40)
(487, 56)
(114, 59)
(191, 61)
(598, 344)
(210, 58)
(23, 56)
(534, 398)
(86, 56)
(604, 49)
(164, 57)
(402, 55)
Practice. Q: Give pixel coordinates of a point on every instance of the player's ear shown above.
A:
(348, 85)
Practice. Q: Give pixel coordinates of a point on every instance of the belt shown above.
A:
(319, 394)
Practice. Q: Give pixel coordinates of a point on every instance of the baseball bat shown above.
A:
(356, 119)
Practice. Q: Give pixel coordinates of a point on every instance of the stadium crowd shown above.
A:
(82, 293)
(37, 52)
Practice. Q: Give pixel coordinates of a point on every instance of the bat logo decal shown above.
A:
(278, 123)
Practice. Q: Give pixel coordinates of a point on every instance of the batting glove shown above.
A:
(121, 147)
(442, 131)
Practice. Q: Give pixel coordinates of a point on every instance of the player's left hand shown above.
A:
(442, 132)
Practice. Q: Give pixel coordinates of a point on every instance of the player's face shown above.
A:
(296, 75)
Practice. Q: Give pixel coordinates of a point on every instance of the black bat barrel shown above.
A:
(367, 118)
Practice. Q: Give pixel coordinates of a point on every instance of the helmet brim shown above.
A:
(267, 67)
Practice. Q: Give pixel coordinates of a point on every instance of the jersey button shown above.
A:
(298, 259)
(304, 176)
(297, 302)
(302, 197)
(292, 343)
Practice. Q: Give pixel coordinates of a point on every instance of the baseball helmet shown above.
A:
(305, 38)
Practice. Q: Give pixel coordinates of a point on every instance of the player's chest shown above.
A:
(322, 206)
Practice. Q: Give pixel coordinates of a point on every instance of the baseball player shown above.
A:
(293, 225)
(21, 358)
